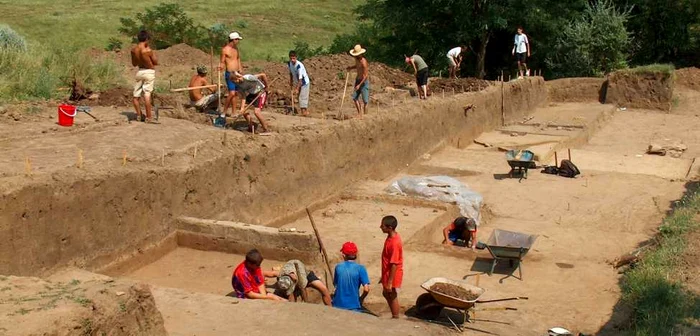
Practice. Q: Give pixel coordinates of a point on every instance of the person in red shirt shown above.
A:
(392, 264)
(461, 229)
(249, 281)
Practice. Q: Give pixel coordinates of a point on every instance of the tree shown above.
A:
(168, 25)
(593, 45)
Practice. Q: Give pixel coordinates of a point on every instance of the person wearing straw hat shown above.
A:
(349, 276)
(231, 62)
(420, 70)
(361, 88)
(200, 101)
(293, 279)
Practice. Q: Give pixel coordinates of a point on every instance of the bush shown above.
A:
(168, 25)
(305, 51)
(10, 39)
(594, 45)
(114, 44)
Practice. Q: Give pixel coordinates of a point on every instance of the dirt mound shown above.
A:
(459, 85)
(688, 77)
(454, 291)
(646, 90)
(30, 306)
(182, 54)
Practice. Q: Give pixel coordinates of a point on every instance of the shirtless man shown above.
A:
(361, 88)
(142, 56)
(197, 98)
(231, 59)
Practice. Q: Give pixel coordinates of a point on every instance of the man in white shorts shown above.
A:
(299, 82)
(454, 59)
(143, 57)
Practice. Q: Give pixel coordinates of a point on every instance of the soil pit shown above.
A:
(194, 270)
(454, 291)
(358, 221)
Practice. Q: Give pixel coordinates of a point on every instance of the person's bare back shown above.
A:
(197, 80)
(143, 56)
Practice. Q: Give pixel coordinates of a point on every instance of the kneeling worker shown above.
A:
(294, 278)
(462, 228)
(254, 89)
(348, 278)
(197, 99)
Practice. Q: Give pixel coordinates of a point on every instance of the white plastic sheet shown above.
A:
(440, 188)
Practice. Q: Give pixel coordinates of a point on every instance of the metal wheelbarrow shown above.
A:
(511, 246)
(429, 305)
(520, 160)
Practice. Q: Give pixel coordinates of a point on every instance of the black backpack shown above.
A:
(568, 169)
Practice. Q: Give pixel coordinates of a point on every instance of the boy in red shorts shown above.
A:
(248, 280)
(392, 264)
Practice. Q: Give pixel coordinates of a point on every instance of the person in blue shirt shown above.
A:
(349, 278)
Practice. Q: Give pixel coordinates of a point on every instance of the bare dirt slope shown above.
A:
(195, 313)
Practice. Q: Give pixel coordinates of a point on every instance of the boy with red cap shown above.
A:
(349, 276)
(392, 264)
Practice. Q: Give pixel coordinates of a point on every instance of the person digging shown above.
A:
(253, 89)
(462, 231)
(420, 70)
(294, 278)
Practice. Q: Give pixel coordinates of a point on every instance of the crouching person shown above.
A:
(462, 231)
(254, 89)
(293, 279)
(248, 280)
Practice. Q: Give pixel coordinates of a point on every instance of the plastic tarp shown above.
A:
(440, 188)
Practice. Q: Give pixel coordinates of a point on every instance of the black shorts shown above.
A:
(521, 57)
(311, 277)
(260, 102)
(422, 77)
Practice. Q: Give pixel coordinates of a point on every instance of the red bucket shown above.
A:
(66, 113)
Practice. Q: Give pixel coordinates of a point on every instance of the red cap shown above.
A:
(349, 248)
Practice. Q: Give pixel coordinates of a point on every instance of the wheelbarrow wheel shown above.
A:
(427, 307)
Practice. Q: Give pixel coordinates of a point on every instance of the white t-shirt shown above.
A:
(454, 52)
(521, 43)
(250, 85)
(298, 72)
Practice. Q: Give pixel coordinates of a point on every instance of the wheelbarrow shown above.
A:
(520, 161)
(511, 246)
(429, 305)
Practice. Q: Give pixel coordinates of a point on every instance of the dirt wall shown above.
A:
(90, 220)
(653, 90)
(239, 238)
(577, 90)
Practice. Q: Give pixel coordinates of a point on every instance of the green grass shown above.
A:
(653, 68)
(660, 303)
(269, 28)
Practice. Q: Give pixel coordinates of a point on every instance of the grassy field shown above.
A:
(269, 27)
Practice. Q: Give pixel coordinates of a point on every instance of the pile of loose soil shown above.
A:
(454, 291)
(688, 77)
(459, 85)
(182, 54)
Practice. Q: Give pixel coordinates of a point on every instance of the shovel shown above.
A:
(86, 110)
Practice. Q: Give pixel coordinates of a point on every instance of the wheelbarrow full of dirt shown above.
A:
(509, 246)
(520, 161)
(447, 293)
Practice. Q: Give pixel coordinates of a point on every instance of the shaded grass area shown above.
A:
(270, 28)
(661, 305)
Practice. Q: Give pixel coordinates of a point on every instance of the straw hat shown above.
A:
(357, 50)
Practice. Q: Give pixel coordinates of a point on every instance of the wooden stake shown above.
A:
(223, 141)
(162, 158)
(194, 155)
(443, 93)
(27, 166)
(324, 254)
(124, 158)
(211, 58)
(556, 160)
(291, 94)
(345, 91)
(569, 149)
(80, 159)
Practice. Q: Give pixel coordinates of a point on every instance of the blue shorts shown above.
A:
(229, 82)
(363, 91)
(453, 236)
